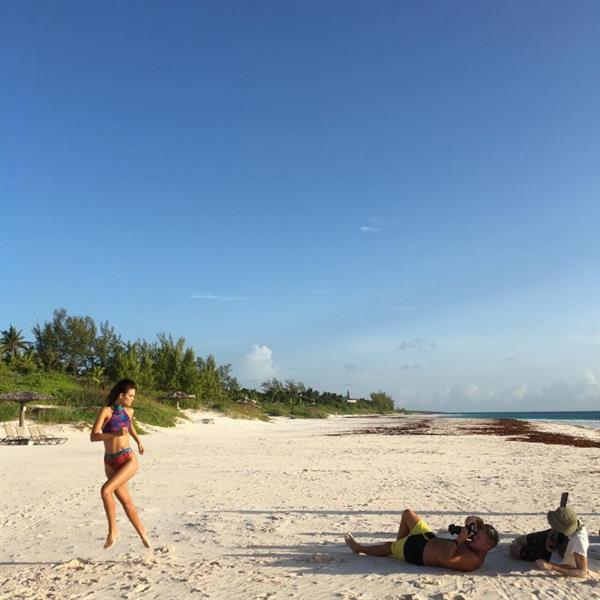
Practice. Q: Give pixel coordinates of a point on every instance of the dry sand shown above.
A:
(239, 509)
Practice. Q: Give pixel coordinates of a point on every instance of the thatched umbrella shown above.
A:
(23, 398)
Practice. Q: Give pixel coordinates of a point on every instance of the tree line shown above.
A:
(78, 346)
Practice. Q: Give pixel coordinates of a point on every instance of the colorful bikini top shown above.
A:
(117, 421)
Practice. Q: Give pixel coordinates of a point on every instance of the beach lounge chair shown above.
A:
(11, 435)
(50, 438)
(34, 434)
(25, 437)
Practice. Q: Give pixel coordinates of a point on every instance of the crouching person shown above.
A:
(562, 548)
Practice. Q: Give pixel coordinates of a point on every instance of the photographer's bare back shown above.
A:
(417, 544)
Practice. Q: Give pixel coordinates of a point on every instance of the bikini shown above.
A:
(115, 424)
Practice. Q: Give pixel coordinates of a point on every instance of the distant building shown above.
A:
(177, 396)
(246, 401)
(350, 400)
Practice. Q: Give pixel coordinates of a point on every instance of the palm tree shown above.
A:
(12, 342)
(96, 374)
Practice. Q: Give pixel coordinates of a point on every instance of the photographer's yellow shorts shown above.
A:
(398, 546)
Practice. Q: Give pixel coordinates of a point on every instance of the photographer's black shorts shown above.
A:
(414, 547)
(410, 548)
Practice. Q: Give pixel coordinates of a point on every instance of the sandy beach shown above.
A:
(248, 509)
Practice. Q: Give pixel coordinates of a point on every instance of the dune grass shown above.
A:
(78, 399)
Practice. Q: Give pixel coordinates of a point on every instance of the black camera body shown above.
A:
(456, 529)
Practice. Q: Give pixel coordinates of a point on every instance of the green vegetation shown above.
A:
(77, 399)
(75, 360)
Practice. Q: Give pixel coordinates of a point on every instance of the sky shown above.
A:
(361, 196)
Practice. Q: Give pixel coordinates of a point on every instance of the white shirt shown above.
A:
(578, 542)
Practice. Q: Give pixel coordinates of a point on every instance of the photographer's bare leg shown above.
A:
(409, 519)
(384, 549)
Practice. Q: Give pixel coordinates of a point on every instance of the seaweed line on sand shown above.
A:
(513, 430)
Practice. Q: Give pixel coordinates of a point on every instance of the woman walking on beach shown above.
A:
(113, 426)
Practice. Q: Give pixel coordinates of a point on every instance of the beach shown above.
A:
(258, 510)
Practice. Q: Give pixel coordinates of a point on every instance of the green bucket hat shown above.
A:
(563, 520)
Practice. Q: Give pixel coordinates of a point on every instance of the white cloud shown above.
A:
(199, 296)
(590, 388)
(374, 225)
(559, 395)
(417, 344)
(519, 392)
(467, 391)
(257, 365)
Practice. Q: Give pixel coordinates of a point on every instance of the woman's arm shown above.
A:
(134, 433)
(580, 570)
(96, 435)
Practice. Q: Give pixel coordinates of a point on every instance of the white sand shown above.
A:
(240, 509)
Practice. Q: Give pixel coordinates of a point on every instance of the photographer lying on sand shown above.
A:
(417, 544)
(563, 548)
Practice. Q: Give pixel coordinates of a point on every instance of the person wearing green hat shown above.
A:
(562, 548)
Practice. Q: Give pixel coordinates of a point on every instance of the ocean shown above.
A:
(587, 418)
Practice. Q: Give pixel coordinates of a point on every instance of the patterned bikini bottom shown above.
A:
(118, 459)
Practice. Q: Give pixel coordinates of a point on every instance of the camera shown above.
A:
(456, 529)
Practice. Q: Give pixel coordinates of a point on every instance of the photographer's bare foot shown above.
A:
(352, 543)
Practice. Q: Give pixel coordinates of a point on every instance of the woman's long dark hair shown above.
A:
(121, 387)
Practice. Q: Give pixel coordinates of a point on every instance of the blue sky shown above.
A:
(394, 195)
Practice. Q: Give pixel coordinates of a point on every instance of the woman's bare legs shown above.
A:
(122, 494)
(115, 481)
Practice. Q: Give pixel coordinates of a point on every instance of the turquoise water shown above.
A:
(589, 418)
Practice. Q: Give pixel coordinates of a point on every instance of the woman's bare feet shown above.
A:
(352, 543)
(145, 539)
(110, 539)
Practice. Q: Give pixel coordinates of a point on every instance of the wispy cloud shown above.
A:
(218, 298)
(350, 367)
(583, 338)
(413, 367)
(322, 288)
(374, 224)
(417, 344)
